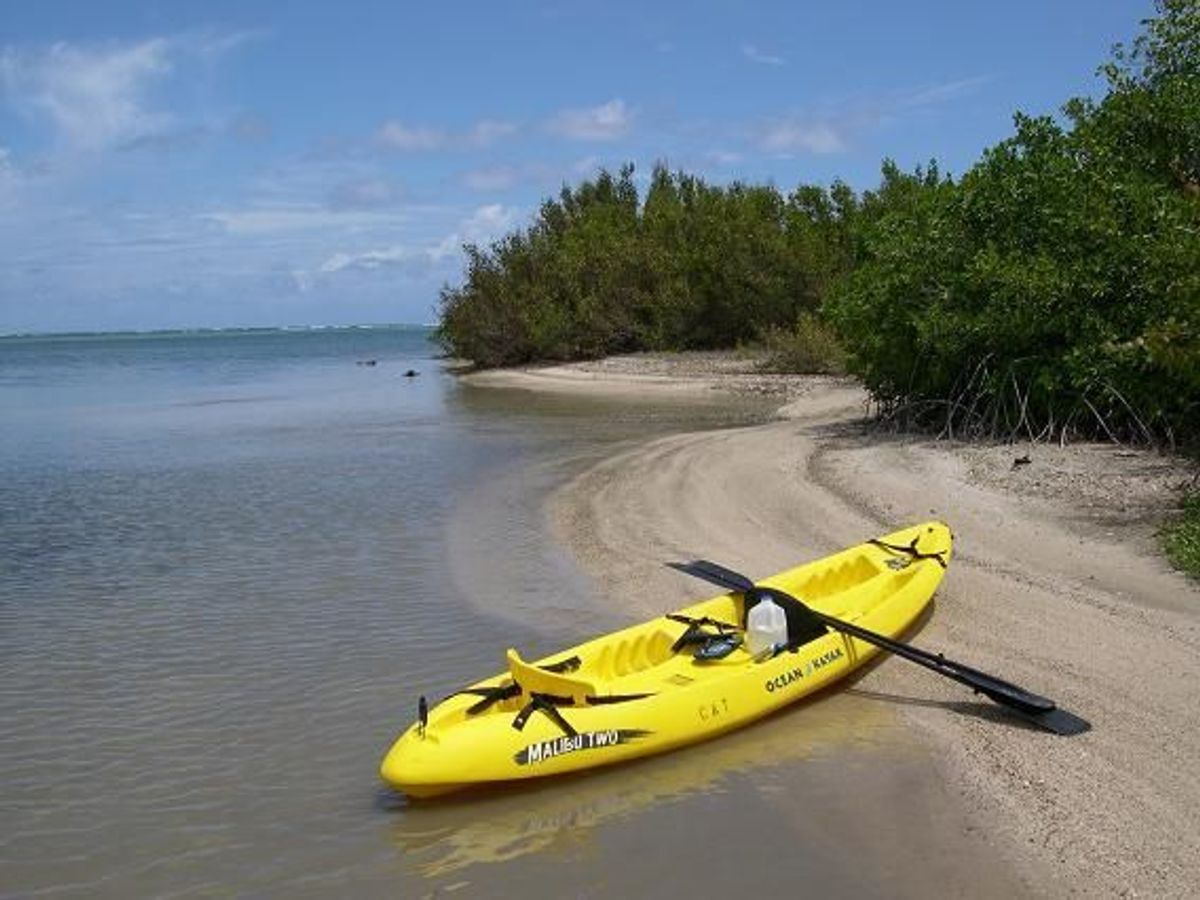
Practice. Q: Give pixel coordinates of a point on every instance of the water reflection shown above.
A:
(548, 816)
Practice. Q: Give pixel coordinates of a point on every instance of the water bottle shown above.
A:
(766, 626)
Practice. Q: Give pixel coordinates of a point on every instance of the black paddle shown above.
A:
(1038, 710)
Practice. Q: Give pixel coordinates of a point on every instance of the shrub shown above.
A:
(693, 266)
(1055, 288)
(809, 348)
(1181, 538)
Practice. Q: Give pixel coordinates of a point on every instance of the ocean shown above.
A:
(231, 561)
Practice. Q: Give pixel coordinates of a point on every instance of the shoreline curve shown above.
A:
(1055, 585)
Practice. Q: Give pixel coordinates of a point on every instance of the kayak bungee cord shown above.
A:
(911, 550)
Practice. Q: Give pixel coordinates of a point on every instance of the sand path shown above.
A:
(1072, 604)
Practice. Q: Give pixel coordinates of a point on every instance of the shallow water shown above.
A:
(230, 562)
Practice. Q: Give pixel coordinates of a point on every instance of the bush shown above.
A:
(1055, 288)
(693, 266)
(810, 348)
(1181, 538)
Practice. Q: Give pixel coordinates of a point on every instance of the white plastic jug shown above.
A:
(766, 626)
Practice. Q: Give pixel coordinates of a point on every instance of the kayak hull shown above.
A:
(644, 698)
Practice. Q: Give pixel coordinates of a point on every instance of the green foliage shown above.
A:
(808, 348)
(1056, 287)
(693, 266)
(1181, 538)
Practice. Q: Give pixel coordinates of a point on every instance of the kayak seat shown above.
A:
(837, 579)
(536, 680)
(633, 654)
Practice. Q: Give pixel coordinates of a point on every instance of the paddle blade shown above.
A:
(1058, 721)
(1003, 692)
(715, 574)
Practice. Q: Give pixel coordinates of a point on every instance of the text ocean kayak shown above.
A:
(642, 690)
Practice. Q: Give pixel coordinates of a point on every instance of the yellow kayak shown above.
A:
(674, 680)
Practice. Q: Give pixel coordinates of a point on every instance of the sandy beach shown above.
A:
(1056, 584)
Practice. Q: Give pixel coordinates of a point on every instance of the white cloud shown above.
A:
(488, 131)
(505, 176)
(371, 259)
(11, 179)
(398, 136)
(827, 133)
(97, 97)
(279, 219)
(607, 122)
(489, 222)
(492, 178)
(794, 135)
(448, 246)
(756, 55)
(588, 165)
(212, 44)
(8, 170)
(416, 260)
(483, 225)
(302, 282)
(362, 193)
(943, 93)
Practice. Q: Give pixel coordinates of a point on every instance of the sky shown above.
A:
(228, 164)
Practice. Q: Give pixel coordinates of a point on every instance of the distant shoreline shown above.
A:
(1055, 559)
(231, 330)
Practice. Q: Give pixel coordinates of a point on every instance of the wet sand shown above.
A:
(1056, 585)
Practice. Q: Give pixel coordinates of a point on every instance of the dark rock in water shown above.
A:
(411, 373)
(367, 362)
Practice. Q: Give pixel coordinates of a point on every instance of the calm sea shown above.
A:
(229, 564)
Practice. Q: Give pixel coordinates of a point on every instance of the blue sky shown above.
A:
(167, 165)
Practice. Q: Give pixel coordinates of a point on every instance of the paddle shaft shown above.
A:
(1002, 692)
